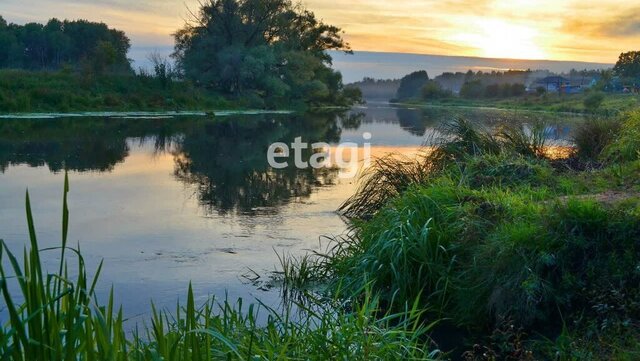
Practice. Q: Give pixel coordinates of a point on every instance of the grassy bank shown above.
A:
(612, 104)
(524, 256)
(66, 91)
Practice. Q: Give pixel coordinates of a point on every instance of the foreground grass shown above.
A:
(54, 317)
(530, 258)
(65, 91)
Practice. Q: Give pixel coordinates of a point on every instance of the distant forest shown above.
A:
(63, 43)
(377, 89)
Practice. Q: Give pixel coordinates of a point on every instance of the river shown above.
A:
(168, 199)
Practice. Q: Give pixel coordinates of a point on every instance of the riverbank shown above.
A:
(525, 256)
(67, 91)
(612, 104)
(489, 247)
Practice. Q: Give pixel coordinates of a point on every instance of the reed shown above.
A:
(52, 316)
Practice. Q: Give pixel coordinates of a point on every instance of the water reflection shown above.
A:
(166, 201)
(224, 160)
(227, 162)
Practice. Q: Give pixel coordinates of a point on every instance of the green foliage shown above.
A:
(59, 318)
(495, 233)
(459, 141)
(272, 50)
(592, 136)
(505, 170)
(628, 65)
(59, 43)
(412, 84)
(506, 90)
(627, 145)
(478, 251)
(62, 91)
(433, 90)
(593, 101)
(472, 90)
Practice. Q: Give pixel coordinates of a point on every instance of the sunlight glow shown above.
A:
(499, 39)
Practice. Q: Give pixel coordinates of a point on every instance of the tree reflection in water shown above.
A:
(227, 162)
(223, 159)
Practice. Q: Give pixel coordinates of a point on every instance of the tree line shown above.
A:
(51, 46)
(265, 53)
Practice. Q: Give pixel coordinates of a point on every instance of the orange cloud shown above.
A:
(586, 30)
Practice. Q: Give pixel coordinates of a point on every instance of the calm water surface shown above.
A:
(168, 200)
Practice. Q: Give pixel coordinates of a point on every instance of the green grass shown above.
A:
(613, 104)
(458, 144)
(54, 317)
(497, 234)
(66, 91)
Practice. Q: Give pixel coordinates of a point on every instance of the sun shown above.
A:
(499, 39)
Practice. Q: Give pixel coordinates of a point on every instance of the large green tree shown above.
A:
(628, 65)
(412, 84)
(271, 49)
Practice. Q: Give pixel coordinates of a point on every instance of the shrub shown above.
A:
(593, 101)
(479, 255)
(506, 170)
(459, 141)
(592, 136)
(627, 145)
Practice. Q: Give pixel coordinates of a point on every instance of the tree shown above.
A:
(628, 65)
(472, 89)
(412, 84)
(494, 91)
(162, 68)
(269, 48)
(433, 91)
(518, 89)
(58, 43)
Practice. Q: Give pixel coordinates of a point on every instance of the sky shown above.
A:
(576, 30)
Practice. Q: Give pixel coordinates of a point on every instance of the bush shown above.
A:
(592, 136)
(476, 255)
(459, 142)
(505, 170)
(627, 145)
(64, 91)
(593, 101)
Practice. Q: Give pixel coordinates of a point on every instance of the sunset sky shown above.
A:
(584, 30)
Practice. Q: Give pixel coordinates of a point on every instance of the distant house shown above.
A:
(553, 84)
